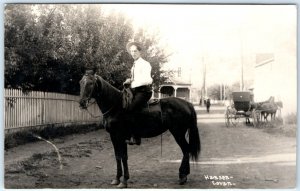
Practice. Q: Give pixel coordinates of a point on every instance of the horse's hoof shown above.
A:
(115, 182)
(182, 180)
(122, 185)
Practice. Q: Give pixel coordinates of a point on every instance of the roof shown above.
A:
(172, 81)
(263, 59)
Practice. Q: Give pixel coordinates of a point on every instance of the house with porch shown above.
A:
(179, 85)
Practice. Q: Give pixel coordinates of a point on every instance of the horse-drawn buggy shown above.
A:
(243, 106)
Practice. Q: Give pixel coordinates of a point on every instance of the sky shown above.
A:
(222, 37)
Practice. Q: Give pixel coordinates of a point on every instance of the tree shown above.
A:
(48, 46)
(214, 91)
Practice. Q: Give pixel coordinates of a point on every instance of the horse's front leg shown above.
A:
(124, 158)
(118, 157)
(120, 148)
(123, 183)
(116, 181)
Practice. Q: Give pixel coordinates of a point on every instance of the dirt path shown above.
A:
(235, 157)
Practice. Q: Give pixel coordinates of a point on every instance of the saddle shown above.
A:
(150, 115)
(151, 106)
(127, 97)
(147, 121)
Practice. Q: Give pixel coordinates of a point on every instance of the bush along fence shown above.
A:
(43, 108)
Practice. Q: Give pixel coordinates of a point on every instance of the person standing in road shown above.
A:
(207, 105)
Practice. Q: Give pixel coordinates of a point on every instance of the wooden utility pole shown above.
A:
(221, 91)
(203, 91)
(224, 91)
(242, 62)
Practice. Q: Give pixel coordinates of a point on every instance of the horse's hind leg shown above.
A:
(184, 168)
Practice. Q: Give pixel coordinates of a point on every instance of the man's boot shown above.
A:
(137, 140)
(134, 140)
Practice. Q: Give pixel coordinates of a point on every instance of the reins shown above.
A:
(103, 114)
(94, 116)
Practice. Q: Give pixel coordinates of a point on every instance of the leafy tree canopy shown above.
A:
(48, 46)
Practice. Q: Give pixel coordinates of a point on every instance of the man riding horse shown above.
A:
(173, 114)
(140, 83)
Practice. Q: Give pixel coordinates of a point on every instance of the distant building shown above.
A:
(275, 75)
(265, 82)
(175, 88)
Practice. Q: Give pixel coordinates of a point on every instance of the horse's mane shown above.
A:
(108, 91)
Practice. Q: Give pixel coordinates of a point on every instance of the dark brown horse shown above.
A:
(269, 107)
(173, 114)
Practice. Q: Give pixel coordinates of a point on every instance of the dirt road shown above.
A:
(235, 157)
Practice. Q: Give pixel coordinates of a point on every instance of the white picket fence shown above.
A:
(43, 108)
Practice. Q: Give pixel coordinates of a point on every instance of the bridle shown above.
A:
(103, 114)
(89, 104)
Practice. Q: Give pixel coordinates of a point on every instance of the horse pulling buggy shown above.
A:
(243, 106)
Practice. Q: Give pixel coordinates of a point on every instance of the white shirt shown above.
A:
(141, 73)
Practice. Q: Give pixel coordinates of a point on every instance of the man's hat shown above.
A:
(138, 45)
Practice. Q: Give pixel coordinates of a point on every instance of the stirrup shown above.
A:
(129, 142)
(134, 141)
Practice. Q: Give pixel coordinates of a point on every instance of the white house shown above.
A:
(176, 86)
(276, 75)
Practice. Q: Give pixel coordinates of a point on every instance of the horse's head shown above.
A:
(87, 86)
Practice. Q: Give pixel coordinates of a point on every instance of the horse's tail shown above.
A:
(194, 138)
